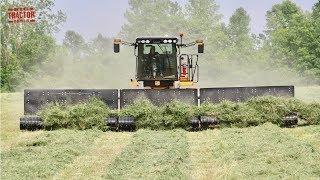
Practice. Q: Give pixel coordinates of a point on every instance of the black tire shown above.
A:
(207, 121)
(290, 120)
(195, 123)
(111, 121)
(126, 123)
(30, 123)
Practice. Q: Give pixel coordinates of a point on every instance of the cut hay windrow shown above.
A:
(256, 111)
(169, 116)
(87, 115)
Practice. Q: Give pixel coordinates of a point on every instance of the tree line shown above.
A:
(291, 39)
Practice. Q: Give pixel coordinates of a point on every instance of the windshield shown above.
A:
(157, 61)
(158, 48)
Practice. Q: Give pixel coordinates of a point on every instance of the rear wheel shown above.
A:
(121, 123)
(30, 123)
(207, 121)
(126, 124)
(290, 120)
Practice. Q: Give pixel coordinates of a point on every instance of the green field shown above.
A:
(263, 152)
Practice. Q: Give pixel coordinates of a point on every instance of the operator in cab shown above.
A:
(155, 69)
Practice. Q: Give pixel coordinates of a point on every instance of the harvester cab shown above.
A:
(159, 64)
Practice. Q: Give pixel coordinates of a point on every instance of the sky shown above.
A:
(106, 16)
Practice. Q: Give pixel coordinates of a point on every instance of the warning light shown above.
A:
(117, 41)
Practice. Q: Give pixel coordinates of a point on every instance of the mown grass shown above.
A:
(153, 155)
(263, 152)
(260, 110)
(169, 116)
(94, 163)
(254, 112)
(11, 109)
(90, 114)
(46, 154)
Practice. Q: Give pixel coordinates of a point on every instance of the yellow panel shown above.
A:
(183, 78)
(187, 83)
(135, 83)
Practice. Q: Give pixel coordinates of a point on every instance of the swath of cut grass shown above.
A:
(46, 154)
(176, 115)
(293, 153)
(310, 134)
(311, 113)
(273, 109)
(145, 113)
(153, 155)
(11, 109)
(237, 114)
(254, 112)
(93, 164)
(260, 110)
(168, 116)
(263, 152)
(90, 114)
(202, 165)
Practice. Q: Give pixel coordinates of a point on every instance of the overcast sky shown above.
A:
(106, 16)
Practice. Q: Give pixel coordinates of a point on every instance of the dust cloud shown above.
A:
(114, 70)
(94, 72)
(225, 75)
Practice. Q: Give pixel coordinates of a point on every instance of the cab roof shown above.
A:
(156, 39)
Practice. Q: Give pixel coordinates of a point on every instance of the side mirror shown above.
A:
(116, 45)
(200, 48)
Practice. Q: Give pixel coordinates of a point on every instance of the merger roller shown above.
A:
(162, 75)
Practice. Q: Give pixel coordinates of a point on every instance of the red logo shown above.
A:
(21, 14)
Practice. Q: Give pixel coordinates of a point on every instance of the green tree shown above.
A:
(25, 46)
(314, 46)
(203, 18)
(200, 20)
(203, 21)
(316, 11)
(280, 23)
(239, 30)
(74, 41)
(294, 38)
(241, 45)
(281, 15)
(101, 46)
(150, 18)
